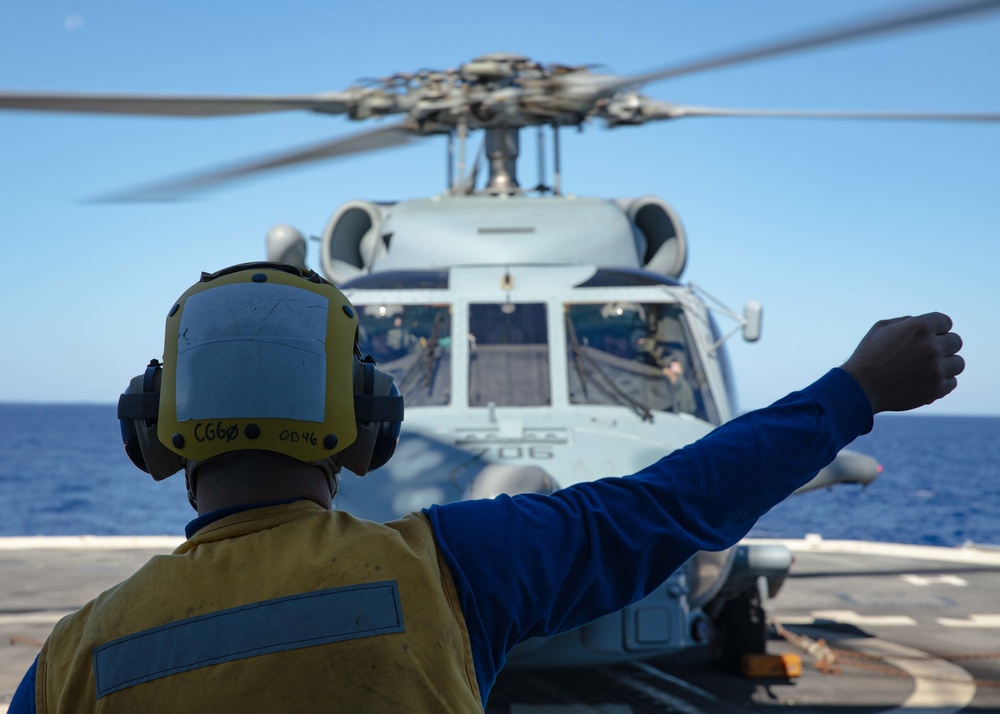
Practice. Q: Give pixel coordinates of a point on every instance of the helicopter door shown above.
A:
(508, 355)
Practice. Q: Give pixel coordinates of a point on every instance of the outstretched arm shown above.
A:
(537, 565)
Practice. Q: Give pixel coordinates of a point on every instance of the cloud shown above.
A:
(72, 22)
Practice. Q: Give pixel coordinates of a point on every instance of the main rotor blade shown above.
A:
(173, 105)
(381, 138)
(926, 15)
(664, 110)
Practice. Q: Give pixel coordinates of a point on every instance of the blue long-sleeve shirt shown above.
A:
(547, 564)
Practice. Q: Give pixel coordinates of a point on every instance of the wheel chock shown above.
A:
(767, 666)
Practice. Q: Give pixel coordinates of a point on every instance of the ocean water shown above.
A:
(940, 485)
(63, 472)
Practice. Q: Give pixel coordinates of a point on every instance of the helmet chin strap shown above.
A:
(189, 468)
(331, 469)
(329, 466)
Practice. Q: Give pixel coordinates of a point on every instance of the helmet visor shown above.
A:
(252, 351)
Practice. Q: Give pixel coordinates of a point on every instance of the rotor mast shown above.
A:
(503, 146)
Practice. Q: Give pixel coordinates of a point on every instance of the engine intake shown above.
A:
(353, 240)
(660, 237)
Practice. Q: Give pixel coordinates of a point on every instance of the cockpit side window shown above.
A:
(508, 355)
(413, 344)
(639, 355)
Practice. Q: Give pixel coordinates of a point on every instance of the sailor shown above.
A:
(278, 603)
(399, 339)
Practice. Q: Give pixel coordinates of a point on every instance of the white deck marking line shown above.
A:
(793, 619)
(963, 554)
(676, 681)
(661, 697)
(43, 617)
(849, 617)
(930, 696)
(90, 542)
(925, 580)
(974, 621)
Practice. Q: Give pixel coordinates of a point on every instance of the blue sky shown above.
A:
(831, 225)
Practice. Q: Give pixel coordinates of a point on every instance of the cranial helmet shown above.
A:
(261, 356)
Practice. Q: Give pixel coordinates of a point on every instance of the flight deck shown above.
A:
(879, 627)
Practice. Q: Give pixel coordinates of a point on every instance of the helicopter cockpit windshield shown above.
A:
(413, 343)
(509, 355)
(638, 355)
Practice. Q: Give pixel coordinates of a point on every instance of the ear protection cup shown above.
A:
(130, 435)
(378, 408)
(388, 436)
(137, 413)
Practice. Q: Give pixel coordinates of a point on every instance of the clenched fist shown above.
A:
(907, 362)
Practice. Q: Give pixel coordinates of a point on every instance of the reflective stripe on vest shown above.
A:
(287, 623)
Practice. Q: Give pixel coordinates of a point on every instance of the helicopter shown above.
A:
(540, 338)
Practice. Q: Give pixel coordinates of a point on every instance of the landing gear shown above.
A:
(740, 628)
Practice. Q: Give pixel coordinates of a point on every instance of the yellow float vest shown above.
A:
(287, 608)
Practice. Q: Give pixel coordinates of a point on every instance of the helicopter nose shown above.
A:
(497, 479)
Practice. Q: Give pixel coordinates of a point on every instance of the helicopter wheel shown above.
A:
(740, 628)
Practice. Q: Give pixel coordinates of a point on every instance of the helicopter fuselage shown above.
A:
(539, 343)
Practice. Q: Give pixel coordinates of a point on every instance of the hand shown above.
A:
(907, 362)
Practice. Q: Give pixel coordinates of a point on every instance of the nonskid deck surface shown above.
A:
(903, 628)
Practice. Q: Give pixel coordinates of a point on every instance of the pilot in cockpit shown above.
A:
(680, 386)
(670, 359)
